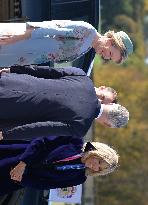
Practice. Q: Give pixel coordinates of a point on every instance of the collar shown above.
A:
(101, 111)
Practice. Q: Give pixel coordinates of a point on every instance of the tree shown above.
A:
(127, 184)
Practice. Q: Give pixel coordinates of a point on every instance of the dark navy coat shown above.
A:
(42, 101)
(36, 154)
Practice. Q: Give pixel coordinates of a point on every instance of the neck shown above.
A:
(96, 40)
(101, 114)
(102, 118)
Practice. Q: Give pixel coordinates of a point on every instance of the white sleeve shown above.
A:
(62, 28)
(11, 29)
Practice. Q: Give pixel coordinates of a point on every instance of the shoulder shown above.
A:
(80, 23)
(74, 71)
(70, 23)
(78, 71)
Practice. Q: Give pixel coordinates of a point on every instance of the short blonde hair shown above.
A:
(105, 152)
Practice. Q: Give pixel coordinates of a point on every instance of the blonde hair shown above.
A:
(117, 41)
(105, 152)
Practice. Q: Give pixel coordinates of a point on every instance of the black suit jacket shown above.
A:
(42, 101)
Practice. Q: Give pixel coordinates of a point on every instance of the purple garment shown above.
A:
(35, 154)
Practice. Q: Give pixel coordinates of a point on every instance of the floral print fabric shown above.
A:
(57, 41)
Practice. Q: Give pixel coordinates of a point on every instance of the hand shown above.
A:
(5, 70)
(17, 173)
(1, 135)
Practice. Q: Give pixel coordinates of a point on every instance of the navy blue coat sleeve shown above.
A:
(47, 72)
(40, 148)
(37, 129)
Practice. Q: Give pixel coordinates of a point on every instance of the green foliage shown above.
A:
(126, 15)
(138, 10)
(123, 22)
(127, 184)
(146, 7)
(146, 26)
(114, 8)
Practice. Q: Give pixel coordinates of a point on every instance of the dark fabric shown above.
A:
(39, 156)
(41, 101)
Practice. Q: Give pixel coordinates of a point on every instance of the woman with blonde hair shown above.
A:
(52, 162)
(58, 41)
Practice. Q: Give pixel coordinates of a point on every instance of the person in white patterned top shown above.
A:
(58, 41)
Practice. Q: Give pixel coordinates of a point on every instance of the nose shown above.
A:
(96, 168)
(107, 55)
(93, 167)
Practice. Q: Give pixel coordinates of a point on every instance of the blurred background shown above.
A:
(129, 184)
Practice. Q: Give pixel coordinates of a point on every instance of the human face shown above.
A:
(96, 164)
(105, 96)
(108, 51)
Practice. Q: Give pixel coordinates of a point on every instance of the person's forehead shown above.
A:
(109, 93)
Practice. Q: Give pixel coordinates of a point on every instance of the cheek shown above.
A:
(117, 54)
(87, 163)
(109, 98)
(97, 167)
(96, 163)
(98, 51)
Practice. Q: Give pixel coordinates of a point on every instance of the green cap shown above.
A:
(126, 41)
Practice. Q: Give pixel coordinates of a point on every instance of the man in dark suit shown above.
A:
(41, 101)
